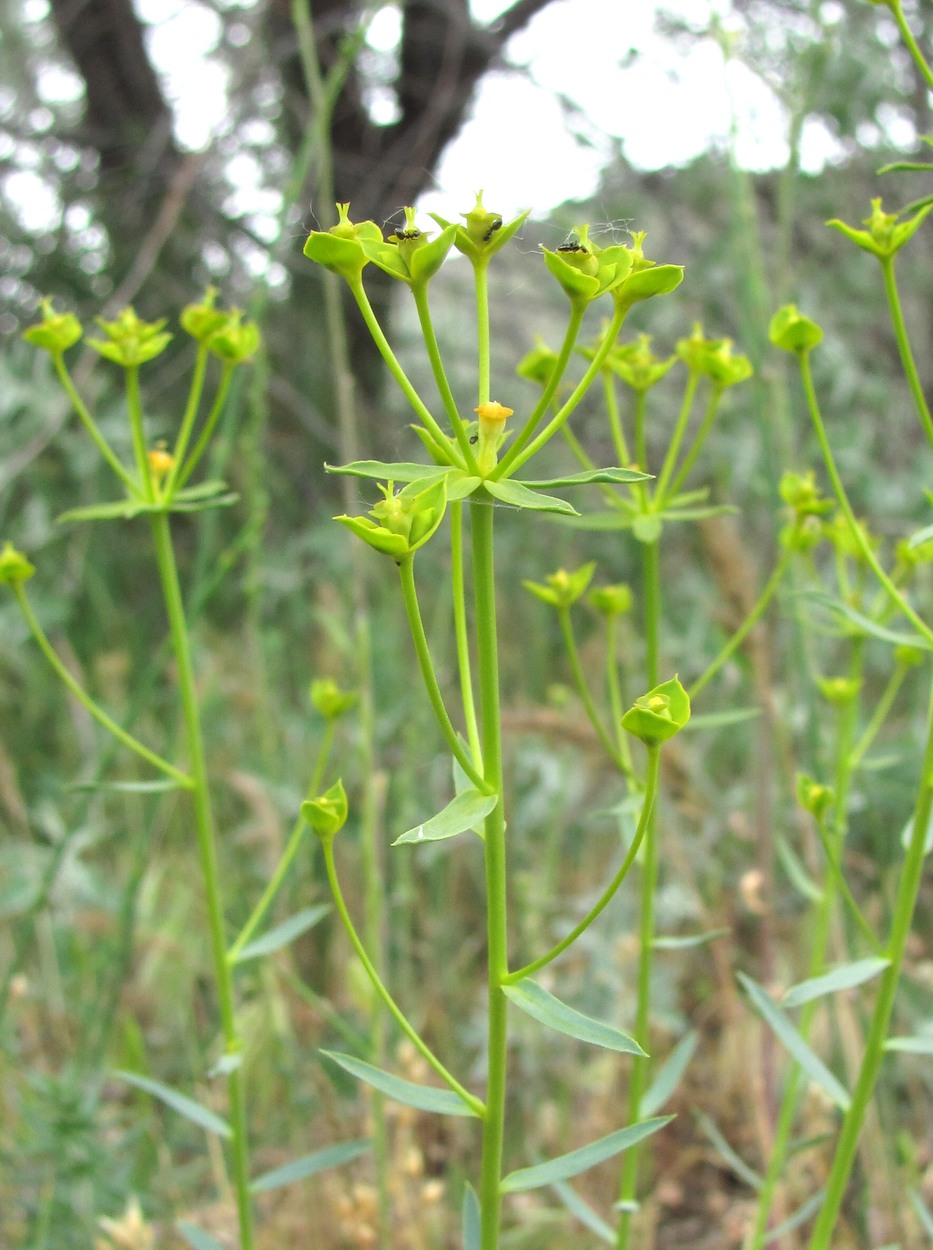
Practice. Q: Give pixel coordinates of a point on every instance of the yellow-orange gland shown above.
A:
(161, 462)
(491, 411)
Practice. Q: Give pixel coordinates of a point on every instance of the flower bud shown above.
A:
(539, 364)
(793, 332)
(130, 341)
(327, 814)
(328, 699)
(814, 797)
(202, 320)
(659, 714)
(884, 236)
(233, 342)
(14, 567)
(563, 589)
(637, 365)
(56, 332)
(490, 433)
(161, 462)
(839, 690)
(611, 600)
(484, 233)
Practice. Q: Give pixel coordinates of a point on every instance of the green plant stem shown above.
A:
(615, 698)
(903, 346)
(405, 385)
(440, 377)
(879, 715)
(195, 391)
(583, 689)
(464, 665)
(204, 438)
(677, 438)
(207, 851)
(470, 1100)
(644, 820)
(638, 1081)
(483, 360)
(550, 390)
(183, 779)
(429, 677)
(754, 616)
(494, 846)
(615, 420)
(912, 45)
(91, 425)
(904, 905)
(699, 442)
(858, 533)
(140, 450)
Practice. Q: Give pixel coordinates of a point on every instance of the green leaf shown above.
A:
(191, 1110)
(800, 1216)
(669, 1074)
(647, 528)
(463, 812)
(126, 509)
(922, 1212)
(516, 495)
(548, 1010)
(197, 1238)
(619, 518)
(282, 934)
(679, 942)
(785, 1032)
(471, 1219)
(830, 982)
(732, 1158)
(584, 1213)
(798, 876)
(576, 1161)
(309, 1165)
(910, 1045)
(591, 475)
(422, 1097)
(864, 624)
(728, 716)
(127, 787)
(907, 832)
(394, 471)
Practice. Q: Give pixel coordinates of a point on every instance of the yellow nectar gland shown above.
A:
(161, 462)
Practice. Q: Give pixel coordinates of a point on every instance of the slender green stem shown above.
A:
(858, 533)
(494, 846)
(644, 820)
(583, 689)
(615, 419)
(615, 698)
(907, 35)
(195, 391)
(398, 373)
(140, 450)
(699, 442)
(638, 1082)
(903, 346)
(457, 423)
(880, 714)
(470, 1100)
(204, 438)
(464, 664)
(550, 390)
(518, 455)
(207, 851)
(483, 362)
(183, 779)
(91, 425)
(747, 625)
(904, 905)
(429, 677)
(676, 439)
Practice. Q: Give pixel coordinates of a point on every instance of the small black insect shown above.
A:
(414, 233)
(574, 247)
(474, 439)
(494, 226)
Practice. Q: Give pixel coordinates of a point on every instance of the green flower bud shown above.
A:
(714, 359)
(539, 364)
(793, 332)
(130, 341)
(884, 237)
(839, 690)
(202, 320)
(814, 797)
(910, 657)
(484, 233)
(611, 600)
(410, 255)
(234, 342)
(327, 814)
(838, 531)
(659, 714)
(637, 365)
(328, 699)
(404, 522)
(56, 332)
(802, 495)
(14, 567)
(563, 589)
(340, 249)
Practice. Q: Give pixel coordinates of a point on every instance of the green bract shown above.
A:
(56, 332)
(404, 522)
(340, 249)
(793, 332)
(326, 814)
(328, 699)
(563, 589)
(539, 363)
(636, 364)
(484, 233)
(611, 600)
(884, 236)
(202, 320)
(814, 797)
(14, 567)
(839, 690)
(586, 271)
(233, 341)
(130, 341)
(659, 714)
(409, 254)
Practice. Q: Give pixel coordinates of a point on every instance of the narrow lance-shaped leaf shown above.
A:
(471, 1219)
(461, 813)
(283, 933)
(577, 1161)
(197, 1238)
(309, 1165)
(518, 496)
(203, 1117)
(422, 1097)
(843, 978)
(548, 1010)
(669, 1074)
